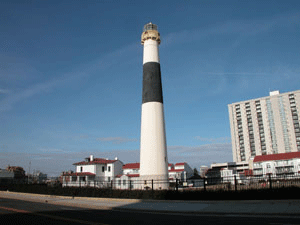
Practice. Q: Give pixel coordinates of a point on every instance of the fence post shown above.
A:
(204, 183)
(235, 183)
(270, 181)
(111, 184)
(176, 186)
(152, 190)
(130, 185)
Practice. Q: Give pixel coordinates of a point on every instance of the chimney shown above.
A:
(272, 93)
(116, 158)
(91, 158)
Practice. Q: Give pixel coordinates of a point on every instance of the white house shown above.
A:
(181, 171)
(95, 172)
(131, 168)
(229, 176)
(130, 179)
(282, 164)
(131, 176)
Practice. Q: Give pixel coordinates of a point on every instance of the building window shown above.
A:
(74, 178)
(81, 169)
(109, 169)
(108, 179)
(103, 168)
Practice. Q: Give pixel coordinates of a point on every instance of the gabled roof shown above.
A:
(80, 174)
(180, 164)
(273, 157)
(176, 170)
(128, 175)
(95, 161)
(131, 166)
(133, 175)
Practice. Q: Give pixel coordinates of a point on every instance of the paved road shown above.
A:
(14, 211)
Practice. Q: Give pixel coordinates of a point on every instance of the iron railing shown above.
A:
(231, 183)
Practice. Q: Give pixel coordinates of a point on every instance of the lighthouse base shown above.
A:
(154, 182)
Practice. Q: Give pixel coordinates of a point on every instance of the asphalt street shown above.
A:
(14, 211)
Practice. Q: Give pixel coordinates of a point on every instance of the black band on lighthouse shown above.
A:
(152, 88)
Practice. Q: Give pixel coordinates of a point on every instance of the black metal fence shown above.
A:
(268, 181)
(232, 183)
(216, 188)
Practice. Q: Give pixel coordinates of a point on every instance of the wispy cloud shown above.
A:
(12, 99)
(240, 28)
(100, 64)
(116, 140)
(4, 91)
(54, 161)
(234, 74)
(200, 155)
(214, 140)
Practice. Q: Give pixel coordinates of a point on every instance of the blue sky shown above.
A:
(71, 75)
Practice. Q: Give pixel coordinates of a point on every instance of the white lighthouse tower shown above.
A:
(153, 148)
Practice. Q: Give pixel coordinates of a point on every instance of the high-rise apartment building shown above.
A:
(264, 126)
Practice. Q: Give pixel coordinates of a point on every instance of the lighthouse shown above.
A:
(153, 147)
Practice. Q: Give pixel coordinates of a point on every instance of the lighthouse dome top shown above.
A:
(150, 33)
(150, 26)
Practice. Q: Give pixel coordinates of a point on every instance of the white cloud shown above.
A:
(214, 140)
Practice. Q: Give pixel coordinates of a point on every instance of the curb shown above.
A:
(295, 215)
(91, 203)
(69, 197)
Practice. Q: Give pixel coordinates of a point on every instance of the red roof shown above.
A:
(133, 175)
(174, 170)
(170, 164)
(180, 164)
(95, 161)
(280, 156)
(131, 166)
(81, 174)
(128, 175)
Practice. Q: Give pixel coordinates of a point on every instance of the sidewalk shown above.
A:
(243, 207)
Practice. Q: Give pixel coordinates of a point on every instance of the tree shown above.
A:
(196, 172)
